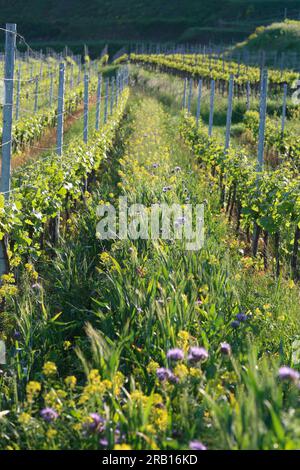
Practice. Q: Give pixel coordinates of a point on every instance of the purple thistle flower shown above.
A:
(96, 424)
(163, 374)
(197, 445)
(235, 324)
(241, 317)
(17, 335)
(286, 373)
(197, 354)
(49, 414)
(225, 349)
(173, 379)
(175, 354)
(103, 442)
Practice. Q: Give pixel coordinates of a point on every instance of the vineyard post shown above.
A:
(10, 46)
(41, 70)
(112, 95)
(59, 136)
(262, 119)
(229, 112)
(211, 107)
(199, 102)
(190, 95)
(79, 74)
(283, 108)
(18, 93)
(121, 79)
(184, 94)
(36, 93)
(51, 90)
(60, 109)
(86, 108)
(98, 106)
(117, 89)
(71, 76)
(248, 91)
(106, 100)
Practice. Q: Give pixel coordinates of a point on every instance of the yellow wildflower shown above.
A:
(152, 367)
(159, 418)
(67, 345)
(107, 384)
(49, 368)
(24, 418)
(122, 447)
(181, 371)
(51, 433)
(196, 373)
(71, 381)
(32, 389)
(30, 269)
(183, 340)
(94, 376)
(118, 382)
(105, 257)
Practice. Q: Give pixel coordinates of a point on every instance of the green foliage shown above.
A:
(94, 331)
(280, 37)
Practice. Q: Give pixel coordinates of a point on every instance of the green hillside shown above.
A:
(49, 20)
(282, 37)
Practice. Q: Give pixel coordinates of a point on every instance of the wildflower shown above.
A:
(197, 445)
(118, 381)
(51, 433)
(33, 389)
(103, 442)
(122, 447)
(157, 399)
(183, 337)
(159, 418)
(67, 345)
(173, 379)
(49, 414)
(138, 397)
(36, 286)
(107, 384)
(241, 317)
(225, 349)
(286, 373)
(175, 354)
(197, 354)
(53, 398)
(163, 374)
(196, 373)
(105, 257)
(235, 324)
(181, 372)
(71, 381)
(49, 368)
(94, 376)
(95, 422)
(24, 418)
(16, 335)
(167, 188)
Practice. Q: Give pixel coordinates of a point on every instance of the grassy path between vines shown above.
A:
(94, 330)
